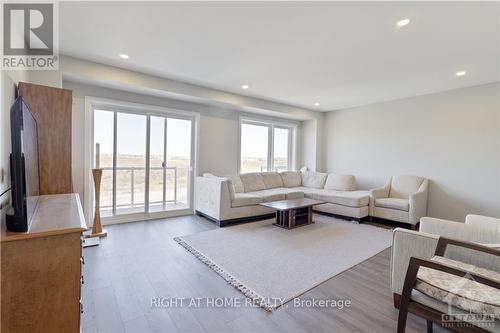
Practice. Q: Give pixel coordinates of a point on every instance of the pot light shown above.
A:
(317, 104)
(123, 56)
(245, 86)
(403, 22)
(460, 73)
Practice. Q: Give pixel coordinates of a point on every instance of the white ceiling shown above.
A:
(337, 53)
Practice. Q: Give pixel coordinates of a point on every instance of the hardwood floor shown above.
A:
(140, 261)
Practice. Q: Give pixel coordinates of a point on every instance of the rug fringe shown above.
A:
(256, 299)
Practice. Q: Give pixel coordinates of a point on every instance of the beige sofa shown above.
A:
(237, 199)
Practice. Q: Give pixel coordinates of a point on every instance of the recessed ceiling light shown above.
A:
(245, 86)
(123, 56)
(317, 104)
(460, 73)
(403, 22)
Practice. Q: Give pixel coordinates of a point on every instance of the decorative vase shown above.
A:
(97, 230)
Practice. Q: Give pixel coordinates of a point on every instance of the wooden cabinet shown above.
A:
(41, 273)
(52, 109)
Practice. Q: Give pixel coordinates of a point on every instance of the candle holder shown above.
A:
(97, 230)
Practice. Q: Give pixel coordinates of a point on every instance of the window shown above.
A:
(265, 147)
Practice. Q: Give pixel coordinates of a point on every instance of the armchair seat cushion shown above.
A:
(393, 203)
(460, 292)
(245, 199)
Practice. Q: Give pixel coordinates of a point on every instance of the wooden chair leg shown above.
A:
(411, 276)
(403, 314)
(397, 300)
(429, 326)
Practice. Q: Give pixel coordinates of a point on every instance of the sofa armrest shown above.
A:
(418, 203)
(482, 221)
(212, 196)
(407, 244)
(380, 192)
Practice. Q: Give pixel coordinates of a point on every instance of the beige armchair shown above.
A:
(402, 199)
(422, 244)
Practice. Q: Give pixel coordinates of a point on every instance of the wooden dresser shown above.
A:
(41, 273)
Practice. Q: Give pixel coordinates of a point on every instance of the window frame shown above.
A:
(271, 125)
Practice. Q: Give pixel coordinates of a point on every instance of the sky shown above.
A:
(254, 141)
(131, 134)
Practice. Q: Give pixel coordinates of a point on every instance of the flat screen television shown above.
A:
(23, 167)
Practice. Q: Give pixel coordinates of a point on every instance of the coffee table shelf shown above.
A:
(294, 212)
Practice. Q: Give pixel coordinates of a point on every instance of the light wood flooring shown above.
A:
(139, 261)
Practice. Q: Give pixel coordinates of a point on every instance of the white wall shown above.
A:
(452, 138)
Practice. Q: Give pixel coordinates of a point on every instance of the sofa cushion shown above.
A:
(340, 182)
(345, 198)
(238, 185)
(314, 179)
(272, 179)
(460, 292)
(245, 199)
(252, 182)
(294, 195)
(291, 178)
(273, 194)
(403, 186)
(393, 203)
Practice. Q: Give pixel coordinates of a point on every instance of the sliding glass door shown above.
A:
(146, 160)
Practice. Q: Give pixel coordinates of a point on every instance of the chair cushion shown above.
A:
(345, 198)
(340, 182)
(442, 307)
(291, 178)
(403, 186)
(245, 199)
(393, 203)
(272, 179)
(314, 179)
(460, 292)
(252, 181)
(273, 194)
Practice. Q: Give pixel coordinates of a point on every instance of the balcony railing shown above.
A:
(132, 171)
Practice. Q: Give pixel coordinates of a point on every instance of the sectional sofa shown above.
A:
(235, 199)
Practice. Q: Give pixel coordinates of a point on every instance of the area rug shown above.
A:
(272, 266)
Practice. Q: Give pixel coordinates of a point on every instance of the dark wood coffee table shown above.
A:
(294, 212)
